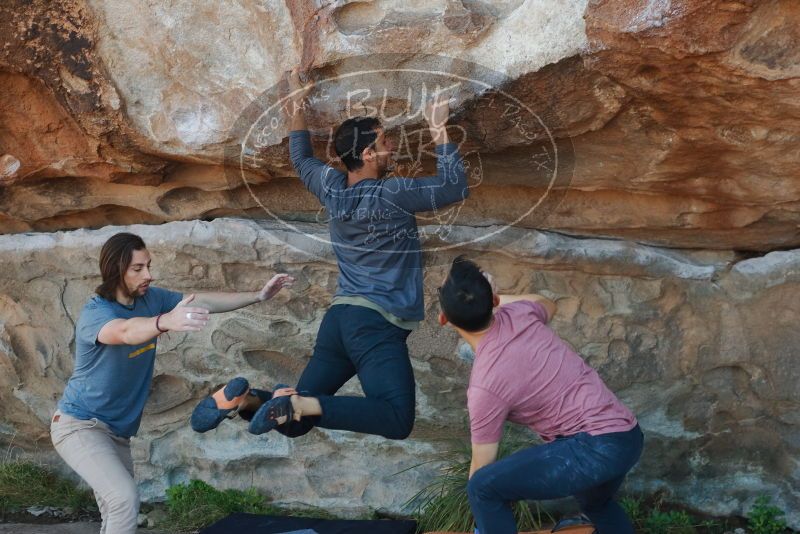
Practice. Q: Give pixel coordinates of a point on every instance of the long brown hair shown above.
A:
(115, 257)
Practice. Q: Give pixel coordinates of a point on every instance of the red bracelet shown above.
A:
(158, 327)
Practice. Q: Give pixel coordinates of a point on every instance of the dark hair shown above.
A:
(466, 296)
(115, 257)
(352, 137)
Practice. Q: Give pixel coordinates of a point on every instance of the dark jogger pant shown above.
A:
(356, 340)
(590, 468)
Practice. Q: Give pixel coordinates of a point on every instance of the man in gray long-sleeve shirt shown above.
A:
(379, 297)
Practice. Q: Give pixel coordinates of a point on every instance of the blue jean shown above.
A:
(589, 468)
(356, 340)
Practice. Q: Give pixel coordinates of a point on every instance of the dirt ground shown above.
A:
(59, 528)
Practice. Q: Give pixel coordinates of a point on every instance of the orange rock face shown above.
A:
(714, 108)
(682, 118)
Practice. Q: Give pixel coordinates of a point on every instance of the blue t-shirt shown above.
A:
(373, 225)
(112, 382)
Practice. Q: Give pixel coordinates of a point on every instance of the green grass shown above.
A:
(653, 519)
(764, 518)
(189, 506)
(443, 504)
(197, 504)
(25, 483)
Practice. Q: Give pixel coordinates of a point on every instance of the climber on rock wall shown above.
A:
(525, 373)
(115, 349)
(379, 299)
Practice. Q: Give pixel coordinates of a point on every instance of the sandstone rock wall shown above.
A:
(683, 115)
(702, 346)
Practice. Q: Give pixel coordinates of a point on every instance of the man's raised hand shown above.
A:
(296, 100)
(185, 318)
(298, 91)
(276, 283)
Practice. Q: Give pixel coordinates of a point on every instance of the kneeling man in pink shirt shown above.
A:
(525, 373)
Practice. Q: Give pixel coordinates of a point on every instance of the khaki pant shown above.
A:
(104, 461)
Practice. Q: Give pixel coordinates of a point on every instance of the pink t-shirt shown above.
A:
(523, 372)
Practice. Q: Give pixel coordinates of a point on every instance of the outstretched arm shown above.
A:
(185, 317)
(189, 315)
(311, 170)
(297, 100)
(224, 302)
(450, 183)
(549, 306)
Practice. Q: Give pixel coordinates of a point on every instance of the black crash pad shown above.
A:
(266, 524)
